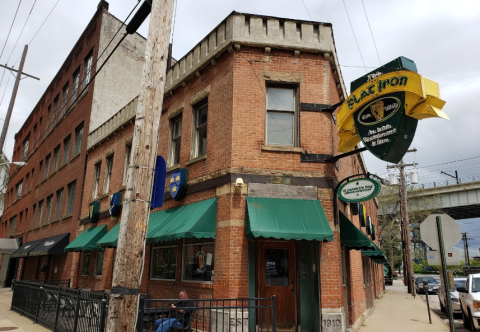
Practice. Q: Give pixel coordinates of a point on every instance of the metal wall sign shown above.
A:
(115, 204)
(359, 190)
(178, 184)
(384, 108)
(94, 211)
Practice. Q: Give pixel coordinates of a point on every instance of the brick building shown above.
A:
(42, 205)
(241, 108)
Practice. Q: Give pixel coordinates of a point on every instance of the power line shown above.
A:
(10, 28)
(371, 33)
(21, 32)
(304, 5)
(353, 31)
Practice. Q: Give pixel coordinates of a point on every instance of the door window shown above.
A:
(276, 267)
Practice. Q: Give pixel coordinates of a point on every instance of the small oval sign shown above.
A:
(378, 110)
(359, 190)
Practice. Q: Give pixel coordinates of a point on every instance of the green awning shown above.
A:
(375, 255)
(197, 220)
(110, 239)
(88, 239)
(352, 237)
(288, 219)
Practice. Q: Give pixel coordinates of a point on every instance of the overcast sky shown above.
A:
(440, 36)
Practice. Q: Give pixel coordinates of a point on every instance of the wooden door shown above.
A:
(276, 276)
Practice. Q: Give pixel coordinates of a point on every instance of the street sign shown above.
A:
(451, 231)
(452, 258)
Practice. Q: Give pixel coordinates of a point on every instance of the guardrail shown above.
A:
(60, 308)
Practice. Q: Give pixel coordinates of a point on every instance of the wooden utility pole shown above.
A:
(14, 96)
(129, 260)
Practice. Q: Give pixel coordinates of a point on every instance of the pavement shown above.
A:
(10, 320)
(398, 311)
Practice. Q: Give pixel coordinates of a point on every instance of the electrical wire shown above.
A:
(353, 31)
(304, 5)
(21, 32)
(11, 26)
(174, 19)
(371, 33)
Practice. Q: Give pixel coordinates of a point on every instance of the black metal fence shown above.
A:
(53, 282)
(60, 308)
(214, 315)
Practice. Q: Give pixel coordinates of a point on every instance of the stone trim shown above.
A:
(274, 76)
(200, 95)
(230, 223)
(281, 148)
(173, 112)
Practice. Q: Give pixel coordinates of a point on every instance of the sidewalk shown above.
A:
(13, 320)
(398, 311)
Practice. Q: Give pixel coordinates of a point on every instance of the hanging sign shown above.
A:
(178, 183)
(362, 216)
(115, 204)
(94, 211)
(384, 108)
(158, 191)
(358, 190)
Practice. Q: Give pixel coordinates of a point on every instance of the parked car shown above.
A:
(432, 285)
(470, 302)
(454, 295)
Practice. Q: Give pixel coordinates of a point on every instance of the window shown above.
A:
(34, 136)
(75, 83)
(198, 260)
(39, 129)
(47, 165)
(86, 264)
(78, 140)
(70, 197)
(58, 207)
(87, 70)
(366, 270)
(20, 221)
(128, 152)
(49, 209)
(175, 140)
(19, 188)
(49, 115)
(96, 180)
(33, 215)
(64, 100)
(13, 225)
(98, 263)
(66, 149)
(55, 110)
(200, 129)
(281, 116)
(344, 266)
(164, 263)
(56, 157)
(33, 176)
(26, 144)
(40, 213)
(27, 178)
(40, 171)
(108, 174)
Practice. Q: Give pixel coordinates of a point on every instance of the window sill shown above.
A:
(173, 168)
(103, 196)
(55, 221)
(281, 148)
(67, 216)
(200, 284)
(194, 160)
(75, 156)
(65, 164)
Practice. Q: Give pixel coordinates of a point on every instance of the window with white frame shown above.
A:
(198, 260)
(87, 70)
(98, 263)
(175, 140)
(281, 116)
(199, 142)
(75, 85)
(26, 144)
(128, 152)
(49, 209)
(86, 263)
(58, 207)
(164, 261)
(70, 197)
(47, 165)
(13, 225)
(19, 188)
(96, 179)
(78, 140)
(64, 100)
(108, 174)
(40, 213)
(66, 149)
(56, 157)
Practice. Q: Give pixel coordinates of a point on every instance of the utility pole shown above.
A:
(465, 248)
(455, 177)
(130, 256)
(14, 95)
(408, 257)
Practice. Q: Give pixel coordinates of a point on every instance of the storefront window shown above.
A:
(98, 263)
(86, 264)
(198, 260)
(164, 263)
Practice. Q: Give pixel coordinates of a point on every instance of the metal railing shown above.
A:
(213, 315)
(53, 282)
(60, 308)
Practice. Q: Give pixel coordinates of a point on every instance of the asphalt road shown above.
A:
(435, 307)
